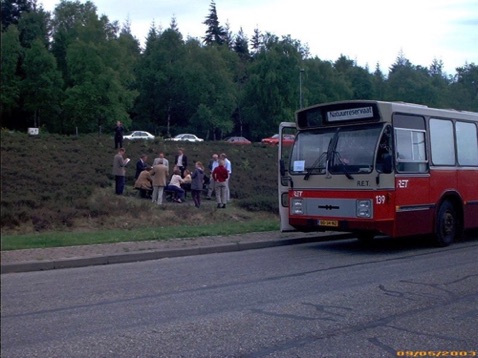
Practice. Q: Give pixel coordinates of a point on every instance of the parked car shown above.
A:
(186, 137)
(238, 140)
(139, 135)
(287, 139)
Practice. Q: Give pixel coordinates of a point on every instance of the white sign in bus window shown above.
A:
(350, 114)
(299, 165)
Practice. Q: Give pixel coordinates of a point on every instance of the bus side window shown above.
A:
(411, 155)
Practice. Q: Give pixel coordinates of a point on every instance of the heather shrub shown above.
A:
(260, 203)
(54, 182)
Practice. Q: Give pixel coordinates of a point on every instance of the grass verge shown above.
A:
(60, 239)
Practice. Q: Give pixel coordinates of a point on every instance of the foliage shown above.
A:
(64, 183)
(215, 33)
(222, 84)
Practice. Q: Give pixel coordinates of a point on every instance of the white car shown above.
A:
(139, 135)
(186, 138)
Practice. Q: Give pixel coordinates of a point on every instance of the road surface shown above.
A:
(329, 299)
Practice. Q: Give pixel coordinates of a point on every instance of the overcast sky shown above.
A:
(367, 31)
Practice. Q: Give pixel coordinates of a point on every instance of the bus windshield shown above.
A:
(338, 150)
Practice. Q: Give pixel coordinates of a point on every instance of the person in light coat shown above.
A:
(119, 170)
(159, 175)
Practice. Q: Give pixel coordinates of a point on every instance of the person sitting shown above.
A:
(186, 185)
(144, 184)
(175, 186)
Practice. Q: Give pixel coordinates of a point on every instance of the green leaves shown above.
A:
(80, 70)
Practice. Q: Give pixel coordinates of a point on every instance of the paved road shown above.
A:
(328, 299)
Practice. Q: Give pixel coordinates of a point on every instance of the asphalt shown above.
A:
(94, 255)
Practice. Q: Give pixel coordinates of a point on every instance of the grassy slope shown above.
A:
(55, 186)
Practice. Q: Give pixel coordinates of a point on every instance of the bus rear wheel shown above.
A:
(446, 224)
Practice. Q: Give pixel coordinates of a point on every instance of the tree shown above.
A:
(228, 36)
(215, 34)
(256, 41)
(70, 17)
(379, 82)
(12, 10)
(409, 83)
(10, 79)
(42, 86)
(96, 97)
(464, 89)
(98, 71)
(358, 78)
(212, 92)
(241, 46)
(35, 24)
(324, 83)
(147, 107)
(273, 87)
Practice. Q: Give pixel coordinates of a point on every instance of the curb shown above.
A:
(160, 254)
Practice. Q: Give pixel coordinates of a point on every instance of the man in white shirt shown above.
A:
(181, 161)
(228, 166)
(165, 161)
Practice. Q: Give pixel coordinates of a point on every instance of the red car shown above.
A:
(288, 139)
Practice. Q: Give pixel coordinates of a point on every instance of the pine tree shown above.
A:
(241, 45)
(215, 34)
(256, 41)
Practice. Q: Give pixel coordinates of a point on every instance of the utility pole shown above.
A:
(301, 103)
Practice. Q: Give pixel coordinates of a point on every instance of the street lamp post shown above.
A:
(300, 88)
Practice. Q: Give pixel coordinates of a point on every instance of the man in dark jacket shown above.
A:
(141, 165)
(181, 161)
(119, 131)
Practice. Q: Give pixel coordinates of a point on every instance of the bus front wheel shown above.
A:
(446, 224)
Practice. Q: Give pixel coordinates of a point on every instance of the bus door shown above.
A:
(286, 133)
(414, 211)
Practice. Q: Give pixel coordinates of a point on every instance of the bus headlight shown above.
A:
(364, 208)
(297, 206)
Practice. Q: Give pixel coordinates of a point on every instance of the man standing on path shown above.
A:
(119, 171)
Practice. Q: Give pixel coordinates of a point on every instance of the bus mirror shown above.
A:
(282, 167)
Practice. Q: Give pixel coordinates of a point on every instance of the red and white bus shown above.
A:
(380, 168)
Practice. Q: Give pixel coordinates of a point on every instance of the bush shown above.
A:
(54, 182)
(260, 203)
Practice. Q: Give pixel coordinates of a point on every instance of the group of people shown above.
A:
(153, 180)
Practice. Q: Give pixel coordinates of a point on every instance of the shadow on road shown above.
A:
(385, 244)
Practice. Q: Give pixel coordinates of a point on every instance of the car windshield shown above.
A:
(345, 150)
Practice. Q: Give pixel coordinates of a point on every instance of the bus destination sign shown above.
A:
(350, 114)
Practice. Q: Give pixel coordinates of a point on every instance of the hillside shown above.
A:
(61, 183)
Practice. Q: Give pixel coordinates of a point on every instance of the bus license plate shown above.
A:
(332, 223)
